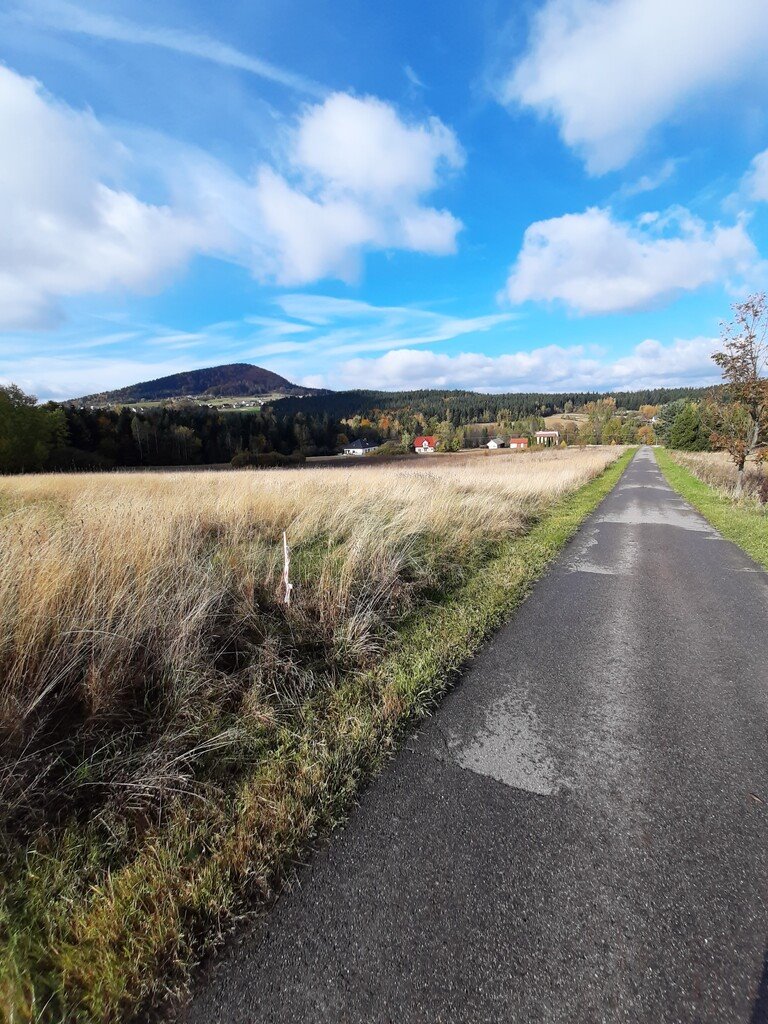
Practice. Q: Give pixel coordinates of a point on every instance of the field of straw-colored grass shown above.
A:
(149, 671)
(718, 470)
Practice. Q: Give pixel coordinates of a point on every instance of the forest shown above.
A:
(67, 437)
(63, 437)
(414, 409)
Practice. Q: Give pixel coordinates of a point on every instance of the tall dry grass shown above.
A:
(148, 662)
(718, 470)
(136, 610)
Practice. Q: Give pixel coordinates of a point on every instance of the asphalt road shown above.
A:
(580, 833)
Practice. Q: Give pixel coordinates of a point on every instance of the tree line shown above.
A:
(415, 409)
(56, 437)
(53, 437)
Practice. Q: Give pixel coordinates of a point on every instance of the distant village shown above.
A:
(196, 401)
(597, 422)
(428, 444)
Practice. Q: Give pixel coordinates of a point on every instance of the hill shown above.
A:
(229, 380)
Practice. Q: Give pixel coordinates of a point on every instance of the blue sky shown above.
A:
(535, 195)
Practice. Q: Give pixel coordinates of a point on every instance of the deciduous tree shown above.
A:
(28, 431)
(743, 421)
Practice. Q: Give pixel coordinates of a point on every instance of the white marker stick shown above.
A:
(286, 569)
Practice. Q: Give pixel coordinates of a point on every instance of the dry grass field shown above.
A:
(718, 470)
(171, 733)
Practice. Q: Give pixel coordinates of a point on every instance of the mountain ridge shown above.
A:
(223, 381)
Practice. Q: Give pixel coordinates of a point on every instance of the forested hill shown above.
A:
(462, 407)
(241, 379)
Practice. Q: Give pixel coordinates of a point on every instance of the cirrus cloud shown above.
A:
(63, 16)
(304, 335)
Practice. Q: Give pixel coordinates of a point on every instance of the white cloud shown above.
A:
(357, 180)
(322, 310)
(683, 362)
(313, 238)
(596, 264)
(362, 147)
(68, 17)
(755, 182)
(552, 368)
(610, 71)
(65, 231)
(360, 177)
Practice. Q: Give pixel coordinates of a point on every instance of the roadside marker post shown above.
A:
(286, 570)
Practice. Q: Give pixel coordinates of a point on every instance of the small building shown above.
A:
(362, 446)
(425, 445)
(497, 442)
(548, 437)
(518, 442)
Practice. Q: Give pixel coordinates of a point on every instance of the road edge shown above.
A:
(737, 523)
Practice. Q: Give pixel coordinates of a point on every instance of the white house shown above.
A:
(425, 445)
(496, 442)
(547, 437)
(362, 446)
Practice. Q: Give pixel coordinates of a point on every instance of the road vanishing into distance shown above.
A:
(581, 831)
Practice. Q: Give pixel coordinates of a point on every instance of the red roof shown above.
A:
(518, 440)
(430, 439)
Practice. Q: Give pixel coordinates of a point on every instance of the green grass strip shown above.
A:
(746, 525)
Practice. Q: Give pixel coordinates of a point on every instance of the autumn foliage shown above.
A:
(742, 428)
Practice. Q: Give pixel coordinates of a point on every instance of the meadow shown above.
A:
(173, 735)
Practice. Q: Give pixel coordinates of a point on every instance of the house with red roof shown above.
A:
(518, 442)
(425, 445)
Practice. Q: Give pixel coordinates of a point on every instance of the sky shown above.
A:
(554, 195)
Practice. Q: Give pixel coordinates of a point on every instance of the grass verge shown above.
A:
(744, 524)
(89, 939)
